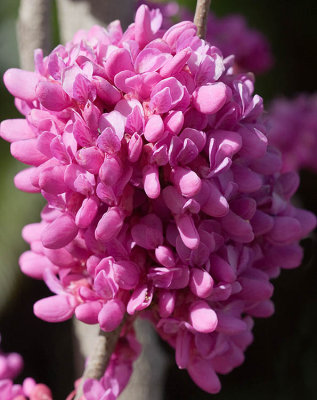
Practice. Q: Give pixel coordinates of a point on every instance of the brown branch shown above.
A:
(201, 16)
(98, 361)
(33, 29)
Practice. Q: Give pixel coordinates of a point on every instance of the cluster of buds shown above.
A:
(293, 130)
(10, 366)
(163, 196)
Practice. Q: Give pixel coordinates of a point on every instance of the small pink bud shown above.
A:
(211, 98)
(111, 315)
(59, 232)
(151, 181)
(154, 129)
(186, 181)
(201, 283)
(202, 317)
(109, 225)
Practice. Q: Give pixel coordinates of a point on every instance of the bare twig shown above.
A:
(201, 16)
(33, 29)
(97, 363)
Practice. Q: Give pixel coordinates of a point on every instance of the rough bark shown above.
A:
(104, 345)
(33, 29)
(201, 16)
(83, 14)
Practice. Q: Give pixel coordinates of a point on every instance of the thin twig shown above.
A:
(33, 29)
(98, 361)
(201, 16)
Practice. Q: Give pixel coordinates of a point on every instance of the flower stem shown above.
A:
(99, 359)
(201, 16)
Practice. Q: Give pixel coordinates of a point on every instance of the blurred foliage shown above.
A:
(282, 362)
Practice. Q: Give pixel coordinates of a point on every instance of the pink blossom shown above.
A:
(293, 130)
(163, 196)
(10, 366)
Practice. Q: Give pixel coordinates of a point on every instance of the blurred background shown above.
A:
(282, 361)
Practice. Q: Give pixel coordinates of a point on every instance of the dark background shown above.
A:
(282, 361)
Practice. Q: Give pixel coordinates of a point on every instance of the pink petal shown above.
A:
(109, 225)
(111, 315)
(59, 232)
(203, 374)
(88, 312)
(21, 83)
(202, 317)
(52, 96)
(54, 309)
(13, 130)
(211, 98)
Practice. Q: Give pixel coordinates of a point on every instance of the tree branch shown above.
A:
(201, 16)
(97, 363)
(33, 29)
(147, 381)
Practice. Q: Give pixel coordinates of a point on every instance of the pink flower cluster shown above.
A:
(162, 194)
(293, 130)
(231, 34)
(10, 366)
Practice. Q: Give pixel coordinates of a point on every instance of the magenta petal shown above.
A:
(140, 299)
(34, 265)
(54, 309)
(183, 348)
(150, 60)
(52, 180)
(87, 212)
(126, 274)
(187, 181)
(52, 96)
(13, 130)
(26, 151)
(107, 92)
(202, 317)
(188, 231)
(201, 283)
(111, 315)
(154, 129)
(109, 225)
(143, 30)
(210, 98)
(93, 389)
(119, 60)
(151, 181)
(22, 181)
(166, 303)
(21, 83)
(285, 230)
(59, 232)
(203, 374)
(88, 312)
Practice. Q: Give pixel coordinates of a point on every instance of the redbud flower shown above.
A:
(10, 366)
(293, 130)
(163, 196)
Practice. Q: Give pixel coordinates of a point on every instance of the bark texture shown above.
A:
(201, 16)
(34, 29)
